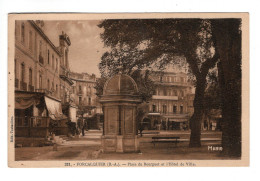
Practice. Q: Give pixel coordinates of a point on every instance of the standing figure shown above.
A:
(141, 128)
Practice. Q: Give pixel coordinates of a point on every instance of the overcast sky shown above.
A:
(86, 46)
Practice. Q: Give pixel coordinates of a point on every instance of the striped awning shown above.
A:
(54, 109)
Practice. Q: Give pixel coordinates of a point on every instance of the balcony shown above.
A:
(80, 92)
(23, 86)
(54, 94)
(16, 83)
(38, 121)
(64, 73)
(175, 98)
(34, 121)
(31, 88)
(41, 60)
(43, 91)
(32, 126)
(49, 93)
(89, 93)
(170, 114)
(164, 83)
(22, 121)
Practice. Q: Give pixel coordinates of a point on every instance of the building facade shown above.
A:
(39, 79)
(172, 104)
(69, 107)
(86, 99)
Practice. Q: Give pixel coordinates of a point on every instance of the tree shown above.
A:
(228, 46)
(143, 43)
(212, 98)
(146, 86)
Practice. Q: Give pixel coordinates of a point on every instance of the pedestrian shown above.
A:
(141, 128)
(83, 130)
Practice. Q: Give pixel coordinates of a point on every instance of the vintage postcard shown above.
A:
(128, 90)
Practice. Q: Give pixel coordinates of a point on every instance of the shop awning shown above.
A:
(73, 114)
(154, 114)
(25, 100)
(178, 120)
(86, 115)
(54, 109)
(177, 117)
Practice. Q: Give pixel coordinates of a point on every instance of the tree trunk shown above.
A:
(228, 46)
(195, 121)
(231, 114)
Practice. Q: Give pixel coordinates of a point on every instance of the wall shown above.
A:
(32, 52)
(85, 89)
(172, 90)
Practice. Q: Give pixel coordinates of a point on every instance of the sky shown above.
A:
(86, 45)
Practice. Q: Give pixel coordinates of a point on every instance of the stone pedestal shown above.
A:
(119, 144)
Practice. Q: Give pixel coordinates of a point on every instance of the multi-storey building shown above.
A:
(39, 79)
(172, 104)
(69, 107)
(86, 99)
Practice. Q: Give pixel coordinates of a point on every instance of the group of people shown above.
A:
(82, 125)
(163, 125)
(77, 128)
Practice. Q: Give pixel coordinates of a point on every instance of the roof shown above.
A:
(45, 37)
(120, 84)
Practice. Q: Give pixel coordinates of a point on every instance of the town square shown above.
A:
(127, 89)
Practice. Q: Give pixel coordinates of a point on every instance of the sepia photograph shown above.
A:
(128, 90)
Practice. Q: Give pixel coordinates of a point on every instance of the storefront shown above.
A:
(92, 121)
(35, 112)
(156, 121)
(153, 121)
(58, 120)
(31, 118)
(212, 120)
(177, 123)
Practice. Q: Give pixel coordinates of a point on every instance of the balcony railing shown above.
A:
(43, 91)
(23, 86)
(47, 92)
(173, 83)
(170, 113)
(38, 121)
(22, 121)
(16, 83)
(159, 97)
(178, 113)
(41, 60)
(80, 92)
(31, 88)
(34, 121)
(55, 94)
(63, 72)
